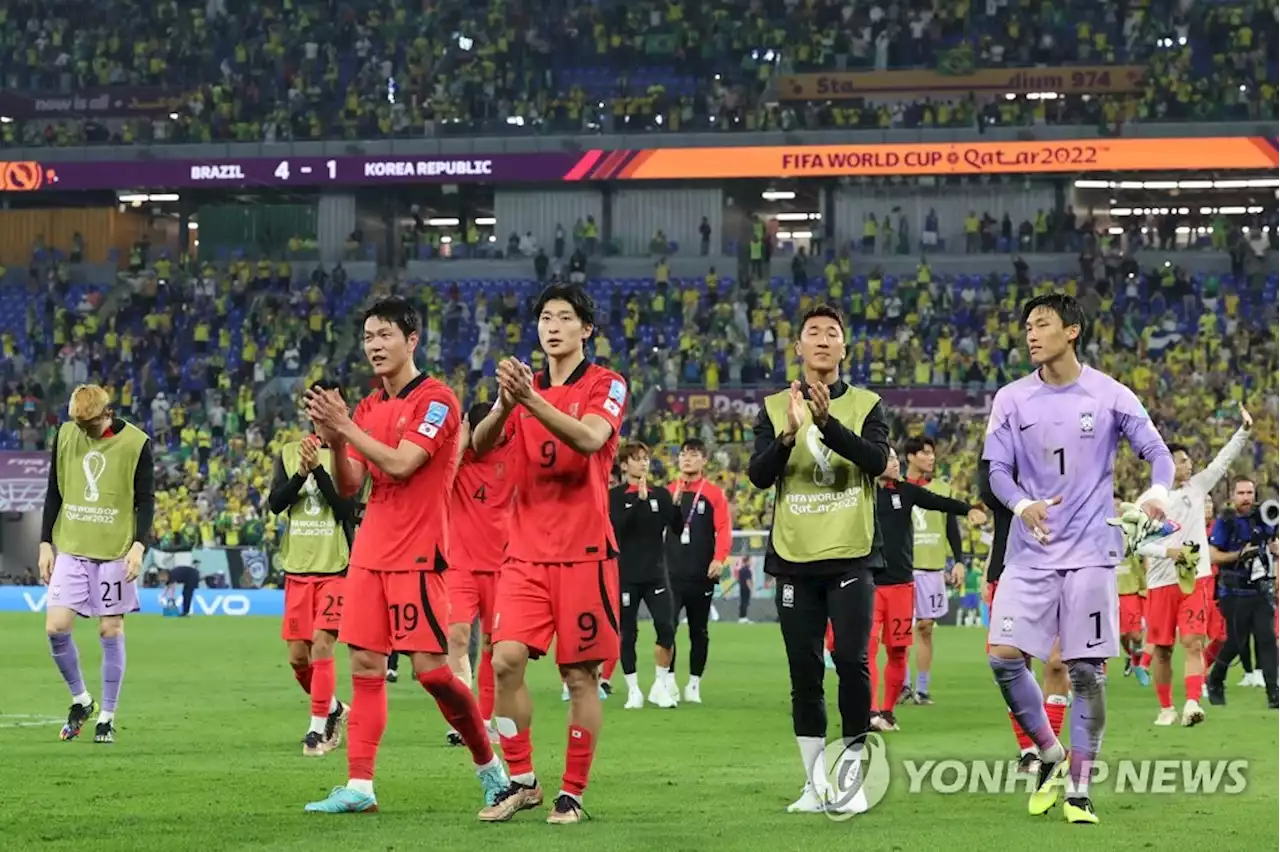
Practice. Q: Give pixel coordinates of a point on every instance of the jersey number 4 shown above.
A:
(480, 496)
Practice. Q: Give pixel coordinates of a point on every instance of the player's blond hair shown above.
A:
(88, 402)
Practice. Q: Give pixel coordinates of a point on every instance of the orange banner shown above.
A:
(1071, 80)
(977, 158)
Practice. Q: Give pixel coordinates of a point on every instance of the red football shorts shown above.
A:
(892, 622)
(1170, 613)
(471, 594)
(396, 611)
(1131, 609)
(310, 604)
(576, 603)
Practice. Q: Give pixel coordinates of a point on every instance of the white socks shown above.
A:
(106, 716)
(694, 680)
(661, 673)
(361, 785)
(633, 681)
(317, 724)
(84, 699)
(333, 705)
(813, 754)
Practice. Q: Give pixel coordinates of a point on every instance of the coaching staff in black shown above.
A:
(1243, 546)
(642, 517)
(821, 444)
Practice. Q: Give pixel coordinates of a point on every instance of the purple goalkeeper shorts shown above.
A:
(931, 595)
(1079, 606)
(91, 588)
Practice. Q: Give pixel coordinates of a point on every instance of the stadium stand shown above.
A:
(378, 70)
(192, 354)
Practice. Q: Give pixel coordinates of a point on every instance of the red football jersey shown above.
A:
(561, 509)
(406, 523)
(480, 510)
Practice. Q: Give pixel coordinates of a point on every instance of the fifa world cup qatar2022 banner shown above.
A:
(670, 164)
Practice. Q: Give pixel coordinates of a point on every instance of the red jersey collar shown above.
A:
(406, 390)
(544, 375)
(692, 482)
(923, 483)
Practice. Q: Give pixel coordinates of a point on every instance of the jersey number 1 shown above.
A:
(1061, 453)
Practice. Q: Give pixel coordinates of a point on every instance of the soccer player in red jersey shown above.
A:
(479, 516)
(560, 577)
(405, 436)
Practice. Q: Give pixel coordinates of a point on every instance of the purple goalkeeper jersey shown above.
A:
(1045, 441)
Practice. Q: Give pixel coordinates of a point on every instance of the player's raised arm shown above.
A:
(1136, 426)
(1206, 479)
(603, 414)
(488, 432)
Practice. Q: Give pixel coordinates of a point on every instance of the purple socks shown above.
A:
(1026, 703)
(922, 682)
(1088, 722)
(112, 671)
(63, 649)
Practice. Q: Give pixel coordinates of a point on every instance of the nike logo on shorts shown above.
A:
(848, 582)
(1093, 644)
(658, 591)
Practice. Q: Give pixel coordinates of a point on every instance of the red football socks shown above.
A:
(1164, 692)
(367, 723)
(518, 751)
(608, 667)
(484, 680)
(1145, 660)
(873, 666)
(1211, 653)
(324, 681)
(303, 677)
(577, 760)
(459, 708)
(1056, 713)
(895, 674)
(1194, 685)
(1025, 743)
(831, 638)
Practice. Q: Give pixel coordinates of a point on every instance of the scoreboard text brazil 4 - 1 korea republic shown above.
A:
(310, 170)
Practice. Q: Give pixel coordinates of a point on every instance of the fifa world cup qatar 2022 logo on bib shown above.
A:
(94, 464)
(857, 774)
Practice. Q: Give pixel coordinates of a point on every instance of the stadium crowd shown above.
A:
(378, 69)
(191, 359)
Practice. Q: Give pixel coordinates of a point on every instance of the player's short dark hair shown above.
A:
(396, 310)
(823, 309)
(583, 305)
(1066, 307)
(916, 443)
(327, 384)
(1178, 448)
(634, 449)
(694, 445)
(476, 413)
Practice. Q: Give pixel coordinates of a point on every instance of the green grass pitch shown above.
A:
(207, 757)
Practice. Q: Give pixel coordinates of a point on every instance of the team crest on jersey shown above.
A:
(1086, 423)
(500, 470)
(573, 409)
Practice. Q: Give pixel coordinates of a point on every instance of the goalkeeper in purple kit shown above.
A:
(1059, 429)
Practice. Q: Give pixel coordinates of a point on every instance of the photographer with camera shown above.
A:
(1243, 546)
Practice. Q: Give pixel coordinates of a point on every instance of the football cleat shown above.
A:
(509, 802)
(76, 717)
(1168, 716)
(335, 725)
(344, 800)
(567, 811)
(313, 745)
(810, 801)
(1192, 714)
(1079, 811)
(1049, 780)
(105, 732)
